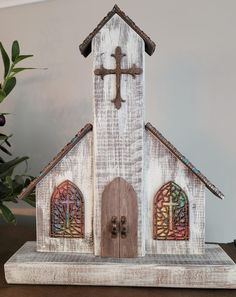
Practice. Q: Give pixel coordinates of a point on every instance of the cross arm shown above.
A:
(134, 70)
(103, 71)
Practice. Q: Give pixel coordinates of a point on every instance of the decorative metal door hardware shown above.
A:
(123, 229)
(119, 227)
(114, 227)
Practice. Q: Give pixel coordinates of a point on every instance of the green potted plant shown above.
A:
(11, 184)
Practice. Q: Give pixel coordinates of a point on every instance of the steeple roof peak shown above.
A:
(85, 46)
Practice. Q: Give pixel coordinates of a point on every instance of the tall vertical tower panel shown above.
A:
(118, 133)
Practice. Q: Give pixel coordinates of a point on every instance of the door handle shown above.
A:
(114, 227)
(123, 227)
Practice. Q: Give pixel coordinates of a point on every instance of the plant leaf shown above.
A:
(7, 166)
(8, 143)
(15, 50)
(9, 172)
(7, 214)
(19, 180)
(2, 95)
(10, 84)
(16, 188)
(13, 199)
(27, 182)
(9, 182)
(30, 199)
(2, 148)
(3, 137)
(22, 57)
(16, 70)
(6, 60)
(3, 189)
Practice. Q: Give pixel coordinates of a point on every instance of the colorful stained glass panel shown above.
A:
(171, 213)
(67, 211)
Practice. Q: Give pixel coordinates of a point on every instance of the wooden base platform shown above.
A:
(214, 269)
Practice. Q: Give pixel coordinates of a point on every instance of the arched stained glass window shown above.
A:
(67, 211)
(171, 213)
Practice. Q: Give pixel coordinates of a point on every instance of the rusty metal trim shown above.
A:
(56, 159)
(85, 46)
(185, 161)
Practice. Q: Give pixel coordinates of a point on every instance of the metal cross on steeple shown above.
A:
(118, 71)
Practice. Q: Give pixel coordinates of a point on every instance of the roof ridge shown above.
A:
(85, 46)
(26, 191)
(185, 161)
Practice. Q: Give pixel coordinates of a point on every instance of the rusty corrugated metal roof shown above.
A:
(85, 46)
(185, 161)
(55, 160)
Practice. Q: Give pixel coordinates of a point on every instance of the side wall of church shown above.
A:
(77, 167)
(161, 166)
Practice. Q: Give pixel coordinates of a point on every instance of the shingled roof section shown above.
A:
(184, 160)
(57, 158)
(85, 47)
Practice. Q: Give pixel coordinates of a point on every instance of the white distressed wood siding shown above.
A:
(118, 134)
(161, 166)
(76, 166)
(213, 270)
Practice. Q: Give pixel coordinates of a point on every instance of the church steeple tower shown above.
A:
(118, 47)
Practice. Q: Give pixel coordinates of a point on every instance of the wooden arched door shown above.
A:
(119, 220)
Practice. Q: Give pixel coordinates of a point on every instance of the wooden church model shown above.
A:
(120, 193)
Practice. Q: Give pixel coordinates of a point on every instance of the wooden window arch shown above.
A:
(171, 213)
(67, 211)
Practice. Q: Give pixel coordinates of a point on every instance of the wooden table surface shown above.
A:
(13, 237)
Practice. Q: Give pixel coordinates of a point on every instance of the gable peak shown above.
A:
(86, 47)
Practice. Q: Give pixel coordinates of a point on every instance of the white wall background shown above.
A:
(190, 84)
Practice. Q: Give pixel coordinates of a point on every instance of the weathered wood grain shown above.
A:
(119, 203)
(161, 166)
(110, 210)
(118, 134)
(129, 211)
(76, 166)
(212, 270)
